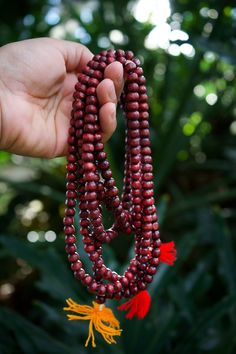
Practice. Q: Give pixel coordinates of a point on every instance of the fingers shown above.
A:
(115, 73)
(108, 92)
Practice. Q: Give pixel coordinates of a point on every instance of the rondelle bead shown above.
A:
(133, 77)
(124, 281)
(151, 270)
(73, 257)
(68, 221)
(70, 249)
(129, 67)
(110, 289)
(79, 274)
(92, 287)
(76, 266)
(68, 230)
(132, 96)
(133, 289)
(101, 290)
(70, 239)
(71, 167)
(148, 278)
(71, 194)
(129, 276)
(71, 177)
(69, 211)
(87, 280)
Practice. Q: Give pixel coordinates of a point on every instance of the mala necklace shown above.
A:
(90, 184)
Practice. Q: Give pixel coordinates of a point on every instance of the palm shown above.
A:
(37, 84)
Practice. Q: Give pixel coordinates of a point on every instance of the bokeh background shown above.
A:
(188, 49)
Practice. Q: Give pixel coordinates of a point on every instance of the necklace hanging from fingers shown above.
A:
(90, 184)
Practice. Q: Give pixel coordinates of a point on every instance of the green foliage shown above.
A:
(192, 106)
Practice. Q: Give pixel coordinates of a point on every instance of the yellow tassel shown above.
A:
(100, 317)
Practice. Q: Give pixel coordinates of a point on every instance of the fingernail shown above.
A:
(112, 95)
(113, 112)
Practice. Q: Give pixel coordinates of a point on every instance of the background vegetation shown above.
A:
(187, 54)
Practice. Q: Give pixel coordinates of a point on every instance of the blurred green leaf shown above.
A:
(29, 337)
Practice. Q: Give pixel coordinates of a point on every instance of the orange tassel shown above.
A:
(138, 306)
(101, 319)
(168, 253)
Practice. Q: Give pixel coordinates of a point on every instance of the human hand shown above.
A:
(37, 79)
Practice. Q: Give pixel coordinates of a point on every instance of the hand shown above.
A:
(37, 79)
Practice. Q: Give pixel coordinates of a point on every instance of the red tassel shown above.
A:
(168, 253)
(138, 306)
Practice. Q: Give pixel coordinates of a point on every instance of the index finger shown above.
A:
(115, 72)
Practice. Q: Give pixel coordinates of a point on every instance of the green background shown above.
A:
(193, 129)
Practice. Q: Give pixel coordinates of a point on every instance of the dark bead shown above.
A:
(71, 167)
(71, 248)
(156, 236)
(129, 55)
(142, 89)
(124, 281)
(132, 96)
(71, 177)
(132, 106)
(151, 270)
(93, 82)
(132, 115)
(129, 67)
(132, 124)
(132, 77)
(155, 226)
(100, 299)
(118, 295)
(73, 257)
(87, 147)
(129, 276)
(80, 87)
(110, 289)
(92, 287)
(133, 289)
(143, 115)
(68, 230)
(98, 146)
(147, 278)
(141, 285)
(94, 256)
(90, 186)
(120, 53)
(89, 248)
(71, 194)
(127, 293)
(102, 66)
(69, 211)
(68, 221)
(155, 253)
(101, 290)
(133, 87)
(139, 71)
(76, 266)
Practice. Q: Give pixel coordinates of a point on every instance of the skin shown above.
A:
(37, 79)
